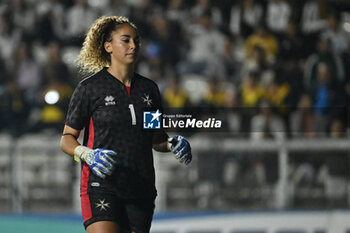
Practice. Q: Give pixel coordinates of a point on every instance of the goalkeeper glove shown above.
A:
(100, 161)
(181, 148)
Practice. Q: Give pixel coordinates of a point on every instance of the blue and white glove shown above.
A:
(181, 149)
(101, 161)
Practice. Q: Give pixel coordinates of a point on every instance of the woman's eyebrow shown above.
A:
(128, 36)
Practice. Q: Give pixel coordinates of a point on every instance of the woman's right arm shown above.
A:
(69, 140)
(100, 161)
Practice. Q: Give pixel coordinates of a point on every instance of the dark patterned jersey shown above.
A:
(113, 120)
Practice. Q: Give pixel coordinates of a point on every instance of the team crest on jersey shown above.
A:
(147, 100)
(109, 100)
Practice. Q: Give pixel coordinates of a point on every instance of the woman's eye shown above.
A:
(126, 41)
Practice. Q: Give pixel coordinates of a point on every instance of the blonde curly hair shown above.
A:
(93, 56)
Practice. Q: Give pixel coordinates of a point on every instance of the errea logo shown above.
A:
(109, 100)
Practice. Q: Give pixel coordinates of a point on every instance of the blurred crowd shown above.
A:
(279, 68)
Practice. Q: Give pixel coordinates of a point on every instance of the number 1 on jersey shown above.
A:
(133, 115)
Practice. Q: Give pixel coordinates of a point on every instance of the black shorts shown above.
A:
(131, 214)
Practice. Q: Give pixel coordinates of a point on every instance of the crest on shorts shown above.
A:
(102, 205)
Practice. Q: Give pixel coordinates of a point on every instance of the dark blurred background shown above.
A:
(280, 69)
(289, 56)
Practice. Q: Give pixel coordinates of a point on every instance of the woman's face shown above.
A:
(125, 45)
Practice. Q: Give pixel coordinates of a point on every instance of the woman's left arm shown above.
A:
(160, 141)
(178, 145)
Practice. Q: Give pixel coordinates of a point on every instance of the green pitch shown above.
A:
(39, 224)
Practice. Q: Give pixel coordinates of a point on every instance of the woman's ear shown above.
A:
(108, 47)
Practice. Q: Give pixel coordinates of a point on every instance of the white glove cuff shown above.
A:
(168, 146)
(80, 153)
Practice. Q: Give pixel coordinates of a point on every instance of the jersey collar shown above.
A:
(104, 70)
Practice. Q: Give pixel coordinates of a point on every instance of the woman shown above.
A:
(117, 181)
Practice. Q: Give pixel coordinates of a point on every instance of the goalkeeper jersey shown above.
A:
(113, 119)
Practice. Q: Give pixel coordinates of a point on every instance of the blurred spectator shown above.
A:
(337, 168)
(151, 66)
(50, 21)
(324, 95)
(116, 7)
(9, 38)
(231, 171)
(3, 105)
(16, 108)
(258, 61)
(339, 38)
(277, 15)
(277, 94)
(337, 129)
(215, 96)
(245, 17)
(45, 28)
(23, 15)
(167, 37)
(311, 20)
(250, 90)
(291, 44)
(233, 117)
(261, 38)
(304, 174)
(176, 11)
(206, 48)
(78, 19)
(4, 73)
(301, 120)
(324, 54)
(291, 72)
(250, 93)
(55, 68)
(136, 3)
(347, 102)
(231, 63)
(266, 124)
(202, 6)
(174, 96)
(27, 73)
(142, 13)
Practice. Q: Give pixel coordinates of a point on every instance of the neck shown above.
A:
(123, 73)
